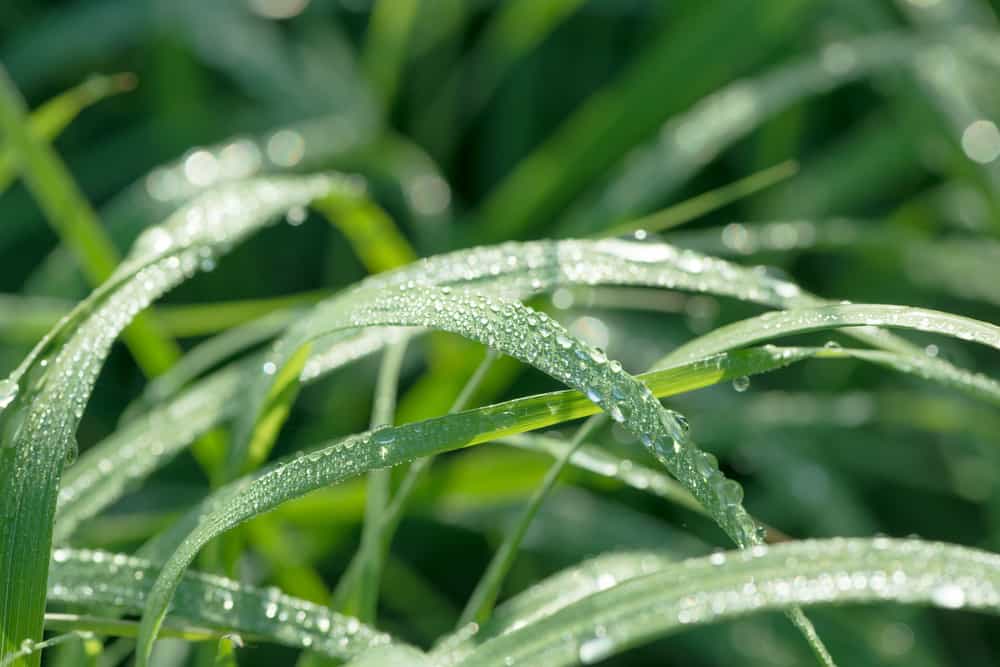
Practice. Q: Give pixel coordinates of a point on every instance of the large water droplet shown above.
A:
(595, 648)
(8, 392)
(730, 492)
(741, 384)
(948, 596)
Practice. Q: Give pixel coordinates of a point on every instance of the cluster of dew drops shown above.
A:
(537, 339)
(162, 257)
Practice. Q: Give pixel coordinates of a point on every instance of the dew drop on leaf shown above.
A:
(741, 384)
(8, 392)
(595, 649)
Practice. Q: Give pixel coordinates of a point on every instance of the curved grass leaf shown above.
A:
(97, 579)
(70, 214)
(620, 262)
(613, 261)
(782, 323)
(643, 597)
(362, 601)
(961, 266)
(45, 397)
(539, 341)
(628, 110)
(690, 140)
(52, 117)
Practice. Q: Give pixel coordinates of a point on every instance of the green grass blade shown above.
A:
(544, 343)
(362, 600)
(28, 649)
(52, 117)
(595, 459)
(642, 597)
(706, 202)
(350, 457)
(101, 580)
(629, 109)
(26, 319)
(782, 323)
(386, 45)
(69, 213)
(700, 274)
(47, 396)
(480, 604)
(415, 473)
(514, 30)
(692, 139)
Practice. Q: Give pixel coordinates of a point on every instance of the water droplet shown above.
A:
(595, 649)
(831, 345)
(269, 368)
(681, 420)
(8, 392)
(383, 436)
(296, 216)
(27, 646)
(72, 452)
(948, 596)
(564, 341)
(730, 492)
(706, 464)
(931, 350)
(741, 384)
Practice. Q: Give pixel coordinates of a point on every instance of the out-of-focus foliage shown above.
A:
(837, 160)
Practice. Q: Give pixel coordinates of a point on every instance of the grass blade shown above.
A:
(46, 399)
(52, 117)
(480, 604)
(692, 139)
(643, 597)
(548, 347)
(781, 323)
(362, 600)
(386, 44)
(99, 580)
(629, 109)
(68, 211)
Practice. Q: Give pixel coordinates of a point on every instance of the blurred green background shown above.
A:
(477, 122)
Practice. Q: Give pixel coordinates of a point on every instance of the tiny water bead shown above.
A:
(8, 392)
(741, 384)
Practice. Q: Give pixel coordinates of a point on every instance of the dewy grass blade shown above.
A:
(618, 602)
(539, 341)
(45, 400)
(99, 580)
(668, 267)
(782, 323)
